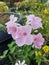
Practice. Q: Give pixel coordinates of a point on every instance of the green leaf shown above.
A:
(11, 44)
(5, 52)
(1, 57)
(31, 53)
(2, 27)
(12, 49)
(27, 61)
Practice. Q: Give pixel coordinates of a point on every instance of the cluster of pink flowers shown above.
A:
(22, 34)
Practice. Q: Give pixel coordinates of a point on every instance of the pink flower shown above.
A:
(38, 40)
(12, 18)
(24, 36)
(34, 21)
(12, 27)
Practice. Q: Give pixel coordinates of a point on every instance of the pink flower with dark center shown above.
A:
(34, 21)
(38, 40)
(12, 27)
(24, 36)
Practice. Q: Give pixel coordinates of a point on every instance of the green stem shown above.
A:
(38, 63)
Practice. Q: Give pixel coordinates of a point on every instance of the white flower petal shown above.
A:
(16, 64)
(19, 61)
(23, 62)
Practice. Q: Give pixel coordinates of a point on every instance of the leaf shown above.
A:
(28, 61)
(38, 60)
(5, 52)
(12, 49)
(11, 44)
(2, 27)
(31, 53)
(1, 57)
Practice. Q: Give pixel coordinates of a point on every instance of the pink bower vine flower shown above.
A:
(34, 21)
(12, 26)
(12, 29)
(13, 18)
(38, 40)
(24, 36)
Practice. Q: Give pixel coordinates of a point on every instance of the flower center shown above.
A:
(25, 33)
(13, 28)
(36, 39)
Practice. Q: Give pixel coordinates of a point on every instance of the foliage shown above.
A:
(16, 53)
(2, 27)
(4, 7)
